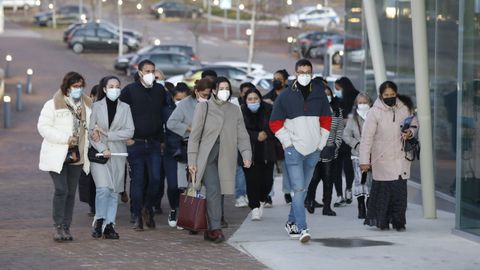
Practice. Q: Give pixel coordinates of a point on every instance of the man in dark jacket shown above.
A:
(147, 100)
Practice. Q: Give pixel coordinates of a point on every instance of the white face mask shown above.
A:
(113, 93)
(304, 79)
(162, 82)
(362, 110)
(223, 95)
(148, 79)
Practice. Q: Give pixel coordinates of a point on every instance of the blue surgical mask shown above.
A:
(253, 107)
(338, 93)
(76, 92)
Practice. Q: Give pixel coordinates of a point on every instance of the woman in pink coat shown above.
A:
(381, 150)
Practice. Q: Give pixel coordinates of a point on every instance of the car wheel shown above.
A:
(337, 59)
(77, 48)
(332, 25)
(125, 48)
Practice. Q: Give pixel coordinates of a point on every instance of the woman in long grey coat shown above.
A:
(111, 125)
(218, 132)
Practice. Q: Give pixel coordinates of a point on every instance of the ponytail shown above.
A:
(407, 101)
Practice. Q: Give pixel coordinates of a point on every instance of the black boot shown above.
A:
(110, 232)
(317, 204)
(362, 211)
(97, 229)
(309, 205)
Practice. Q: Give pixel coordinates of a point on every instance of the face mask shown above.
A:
(338, 93)
(76, 92)
(362, 110)
(329, 99)
(391, 101)
(277, 85)
(253, 107)
(113, 93)
(148, 79)
(201, 99)
(162, 82)
(223, 95)
(304, 79)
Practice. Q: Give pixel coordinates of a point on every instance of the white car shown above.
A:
(21, 4)
(257, 69)
(324, 17)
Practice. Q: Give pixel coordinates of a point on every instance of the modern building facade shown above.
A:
(453, 29)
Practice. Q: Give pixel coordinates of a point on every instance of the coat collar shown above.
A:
(59, 101)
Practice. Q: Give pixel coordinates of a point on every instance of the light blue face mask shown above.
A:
(253, 107)
(338, 93)
(76, 92)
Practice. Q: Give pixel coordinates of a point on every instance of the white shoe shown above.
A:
(241, 202)
(304, 236)
(172, 219)
(256, 214)
(260, 209)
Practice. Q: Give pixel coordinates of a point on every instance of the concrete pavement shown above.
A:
(343, 242)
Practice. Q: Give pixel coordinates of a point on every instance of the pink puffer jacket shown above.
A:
(381, 144)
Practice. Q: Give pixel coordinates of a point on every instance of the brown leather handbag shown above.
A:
(192, 210)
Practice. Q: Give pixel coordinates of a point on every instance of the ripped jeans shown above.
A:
(300, 171)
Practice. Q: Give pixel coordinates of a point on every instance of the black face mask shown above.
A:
(277, 85)
(391, 101)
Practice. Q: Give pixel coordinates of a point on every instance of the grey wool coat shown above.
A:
(112, 173)
(224, 120)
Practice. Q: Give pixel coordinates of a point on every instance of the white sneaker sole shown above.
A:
(172, 224)
(305, 238)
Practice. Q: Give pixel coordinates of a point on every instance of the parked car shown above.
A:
(257, 69)
(169, 62)
(64, 15)
(99, 38)
(121, 63)
(263, 82)
(306, 39)
(106, 24)
(312, 15)
(235, 75)
(21, 4)
(331, 45)
(174, 9)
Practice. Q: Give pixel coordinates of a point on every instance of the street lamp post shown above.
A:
(29, 81)
(18, 101)
(8, 60)
(240, 7)
(53, 6)
(252, 37)
(120, 28)
(209, 10)
(7, 112)
(80, 9)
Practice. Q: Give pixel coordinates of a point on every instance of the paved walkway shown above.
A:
(342, 242)
(26, 193)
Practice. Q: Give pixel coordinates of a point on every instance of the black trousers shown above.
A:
(343, 163)
(259, 178)
(322, 172)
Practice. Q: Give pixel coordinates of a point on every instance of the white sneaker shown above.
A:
(304, 236)
(256, 216)
(292, 230)
(241, 202)
(172, 219)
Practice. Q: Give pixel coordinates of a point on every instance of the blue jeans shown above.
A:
(300, 171)
(285, 181)
(106, 204)
(240, 183)
(145, 160)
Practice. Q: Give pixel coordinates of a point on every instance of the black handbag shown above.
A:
(181, 154)
(73, 155)
(92, 156)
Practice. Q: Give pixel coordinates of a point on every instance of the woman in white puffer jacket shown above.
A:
(63, 124)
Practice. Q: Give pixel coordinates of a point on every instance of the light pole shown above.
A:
(240, 7)
(252, 37)
(7, 112)
(29, 81)
(8, 60)
(80, 9)
(209, 11)
(53, 6)
(120, 28)
(2, 18)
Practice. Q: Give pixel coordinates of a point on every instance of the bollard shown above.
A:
(7, 114)
(29, 81)
(8, 59)
(18, 103)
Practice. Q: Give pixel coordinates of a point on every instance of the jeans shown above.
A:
(145, 161)
(285, 181)
(240, 184)
(106, 204)
(300, 171)
(64, 197)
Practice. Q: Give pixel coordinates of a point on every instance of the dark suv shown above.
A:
(64, 15)
(99, 38)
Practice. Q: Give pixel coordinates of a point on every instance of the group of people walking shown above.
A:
(210, 139)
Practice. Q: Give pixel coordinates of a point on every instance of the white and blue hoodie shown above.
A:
(302, 123)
